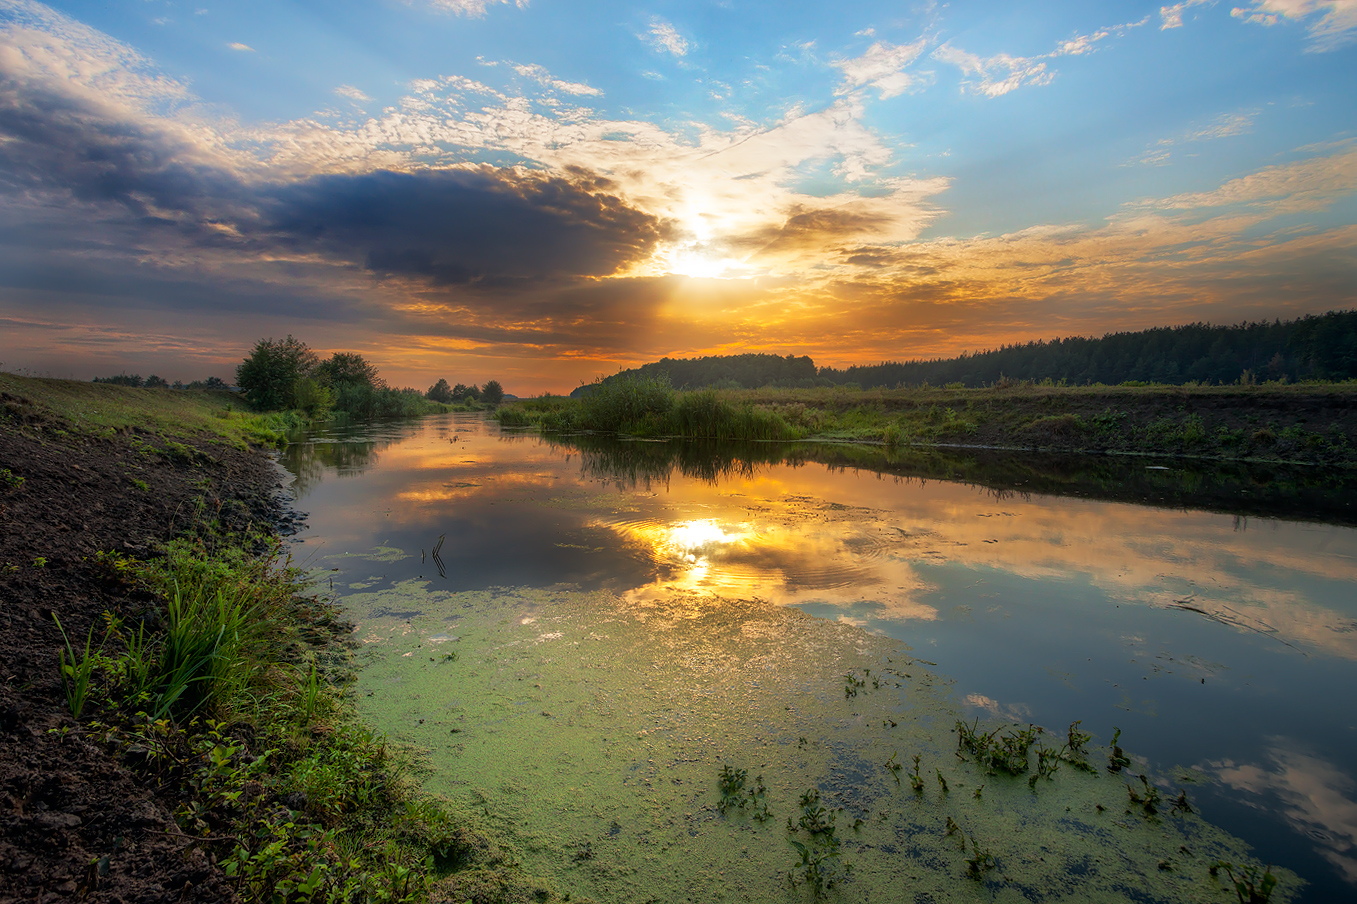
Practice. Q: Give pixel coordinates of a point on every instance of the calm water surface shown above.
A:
(1223, 646)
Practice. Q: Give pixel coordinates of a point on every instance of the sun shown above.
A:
(694, 260)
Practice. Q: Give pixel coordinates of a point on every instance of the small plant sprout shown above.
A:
(978, 792)
(76, 673)
(731, 784)
(1117, 760)
(980, 861)
(1148, 801)
(915, 780)
(942, 781)
(1180, 803)
(894, 767)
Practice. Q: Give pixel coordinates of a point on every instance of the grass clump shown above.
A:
(231, 693)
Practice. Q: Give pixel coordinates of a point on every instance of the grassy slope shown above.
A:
(327, 812)
(103, 409)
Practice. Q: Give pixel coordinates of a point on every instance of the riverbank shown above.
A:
(199, 745)
(1308, 423)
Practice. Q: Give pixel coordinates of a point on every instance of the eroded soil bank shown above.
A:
(65, 802)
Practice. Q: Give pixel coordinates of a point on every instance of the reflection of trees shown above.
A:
(311, 461)
(1240, 488)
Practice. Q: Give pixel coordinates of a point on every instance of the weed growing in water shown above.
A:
(1180, 804)
(731, 783)
(820, 865)
(851, 685)
(1249, 886)
(915, 780)
(1148, 801)
(894, 767)
(1117, 760)
(942, 781)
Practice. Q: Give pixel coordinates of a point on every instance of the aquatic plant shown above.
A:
(1147, 800)
(1117, 759)
(894, 767)
(1249, 886)
(915, 780)
(731, 785)
(820, 865)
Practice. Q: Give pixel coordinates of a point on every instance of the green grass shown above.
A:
(227, 701)
(1303, 423)
(101, 409)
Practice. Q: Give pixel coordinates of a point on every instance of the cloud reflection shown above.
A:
(1316, 797)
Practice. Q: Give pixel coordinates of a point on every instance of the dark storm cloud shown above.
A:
(155, 185)
(478, 227)
(54, 142)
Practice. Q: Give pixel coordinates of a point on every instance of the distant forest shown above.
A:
(1322, 347)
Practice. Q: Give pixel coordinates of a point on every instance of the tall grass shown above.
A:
(648, 406)
(224, 620)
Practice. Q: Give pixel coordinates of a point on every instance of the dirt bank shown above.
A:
(76, 823)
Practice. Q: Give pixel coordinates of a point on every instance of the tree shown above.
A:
(492, 393)
(154, 382)
(439, 392)
(464, 393)
(268, 377)
(348, 369)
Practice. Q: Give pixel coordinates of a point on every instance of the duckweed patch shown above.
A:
(630, 729)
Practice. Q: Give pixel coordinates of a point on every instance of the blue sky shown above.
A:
(543, 191)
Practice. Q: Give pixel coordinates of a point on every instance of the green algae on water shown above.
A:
(591, 733)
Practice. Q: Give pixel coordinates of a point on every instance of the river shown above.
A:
(577, 636)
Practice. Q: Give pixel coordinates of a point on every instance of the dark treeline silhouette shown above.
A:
(726, 372)
(154, 382)
(1315, 347)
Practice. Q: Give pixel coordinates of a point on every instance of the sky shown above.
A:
(543, 191)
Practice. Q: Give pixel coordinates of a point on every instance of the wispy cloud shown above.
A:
(542, 76)
(472, 8)
(1001, 73)
(352, 93)
(1330, 23)
(666, 37)
(1172, 16)
(245, 48)
(882, 67)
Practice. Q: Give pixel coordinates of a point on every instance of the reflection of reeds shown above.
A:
(437, 559)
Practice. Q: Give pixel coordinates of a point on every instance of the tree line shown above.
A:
(154, 382)
(283, 374)
(1314, 347)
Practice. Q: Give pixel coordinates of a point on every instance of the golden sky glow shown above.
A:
(812, 182)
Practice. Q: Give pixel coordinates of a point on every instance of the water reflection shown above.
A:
(1205, 620)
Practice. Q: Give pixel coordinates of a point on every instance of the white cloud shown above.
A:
(541, 75)
(1172, 16)
(664, 36)
(865, 33)
(1224, 126)
(236, 45)
(473, 8)
(999, 74)
(1332, 23)
(881, 67)
(352, 93)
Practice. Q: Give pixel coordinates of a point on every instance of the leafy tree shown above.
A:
(312, 396)
(154, 382)
(492, 393)
(269, 376)
(209, 383)
(439, 392)
(464, 393)
(348, 369)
